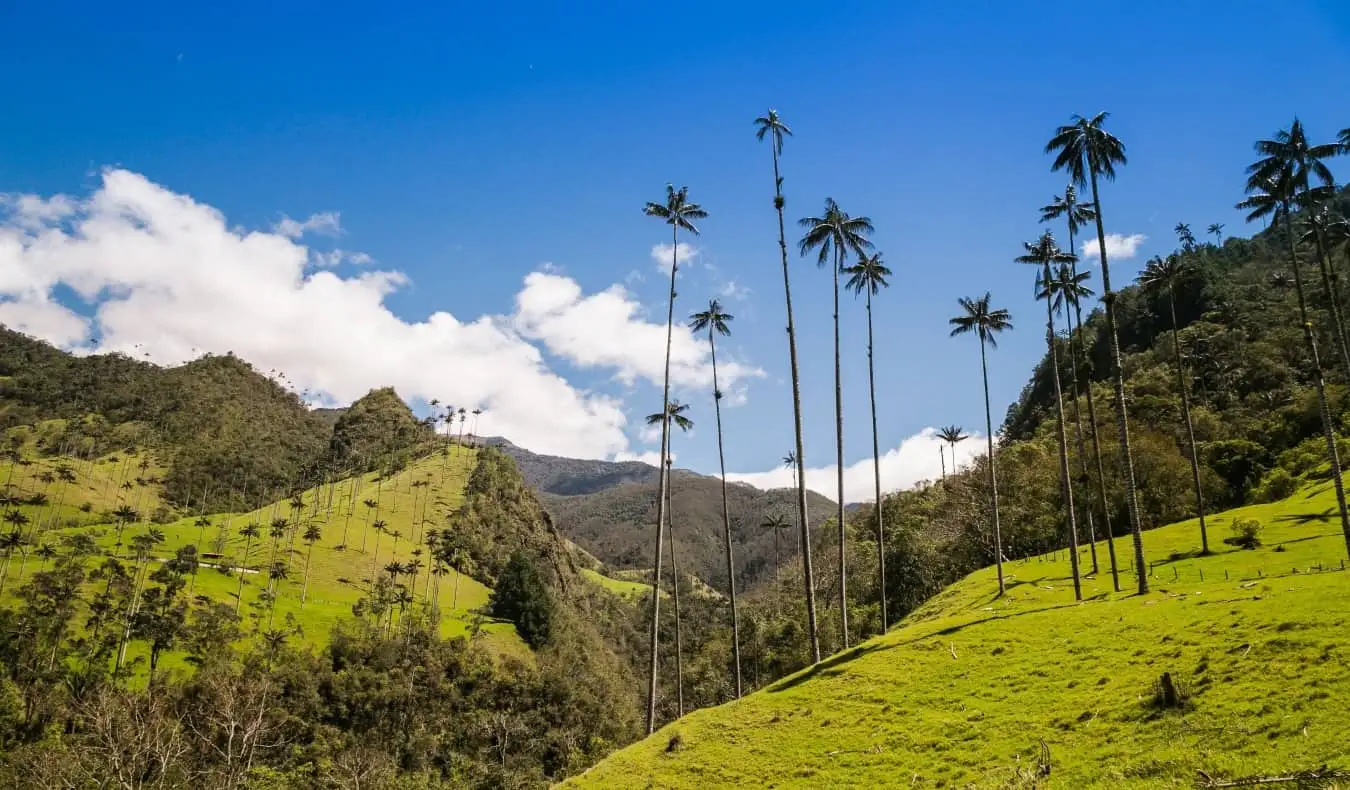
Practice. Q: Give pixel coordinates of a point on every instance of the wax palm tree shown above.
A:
(679, 213)
(1068, 288)
(1089, 153)
(835, 235)
(312, 536)
(986, 322)
(952, 435)
(249, 531)
(1163, 275)
(378, 526)
(714, 320)
(1276, 184)
(771, 125)
(11, 541)
(868, 276)
(1185, 236)
(1045, 253)
(1075, 217)
(1216, 230)
(372, 509)
(778, 525)
(673, 414)
(121, 516)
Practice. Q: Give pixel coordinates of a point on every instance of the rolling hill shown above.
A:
(1035, 690)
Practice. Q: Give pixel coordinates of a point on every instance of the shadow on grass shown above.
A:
(833, 665)
(1307, 518)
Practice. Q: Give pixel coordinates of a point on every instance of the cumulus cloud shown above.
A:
(917, 458)
(1118, 246)
(607, 330)
(160, 272)
(326, 223)
(651, 457)
(684, 253)
(734, 290)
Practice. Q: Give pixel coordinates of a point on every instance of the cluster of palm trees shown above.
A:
(1290, 177)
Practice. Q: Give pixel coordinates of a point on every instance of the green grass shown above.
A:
(963, 692)
(624, 588)
(338, 577)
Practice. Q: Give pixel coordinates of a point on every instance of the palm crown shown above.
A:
(1084, 148)
(1292, 161)
(981, 319)
(714, 319)
(952, 434)
(771, 125)
(1161, 273)
(1067, 206)
(677, 211)
(1044, 252)
(834, 231)
(868, 274)
(1066, 287)
(675, 412)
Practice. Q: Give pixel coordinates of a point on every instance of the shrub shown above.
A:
(1246, 534)
(522, 597)
(1276, 485)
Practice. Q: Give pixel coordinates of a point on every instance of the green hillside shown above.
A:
(965, 690)
(320, 587)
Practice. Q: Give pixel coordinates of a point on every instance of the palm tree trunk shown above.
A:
(1100, 482)
(1082, 452)
(1065, 482)
(1328, 428)
(993, 475)
(675, 590)
(662, 484)
(1324, 265)
(1186, 417)
(839, 456)
(803, 524)
(1122, 421)
(942, 456)
(243, 565)
(304, 587)
(876, 469)
(726, 521)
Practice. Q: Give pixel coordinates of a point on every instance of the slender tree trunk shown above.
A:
(675, 591)
(243, 570)
(1075, 360)
(839, 456)
(726, 520)
(1186, 417)
(803, 523)
(309, 561)
(1122, 420)
(876, 469)
(1324, 265)
(1065, 482)
(663, 482)
(1328, 427)
(993, 474)
(942, 456)
(1100, 482)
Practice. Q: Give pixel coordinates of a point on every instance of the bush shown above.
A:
(522, 597)
(1276, 485)
(1246, 534)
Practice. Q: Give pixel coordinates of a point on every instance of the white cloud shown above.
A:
(733, 290)
(607, 330)
(165, 274)
(1118, 246)
(651, 457)
(684, 253)
(325, 223)
(917, 458)
(336, 257)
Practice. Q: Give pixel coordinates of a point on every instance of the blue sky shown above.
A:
(469, 146)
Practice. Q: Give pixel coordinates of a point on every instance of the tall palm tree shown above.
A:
(674, 413)
(868, 276)
(779, 525)
(249, 531)
(1045, 253)
(1276, 184)
(679, 213)
(1319, 219)
(1076, 216)
(1069, 288)
(1089, 153)
(952, 434)
(1163, 275)
(122, 515)
(1216, 230)
(834, 235)
(312, 535)
(675, 593)
(986, 322)
(771, 125)
(715, 321)
(11, 541)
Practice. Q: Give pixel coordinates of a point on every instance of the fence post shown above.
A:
(1225, 574)
(1202, 574)
(1176, 574)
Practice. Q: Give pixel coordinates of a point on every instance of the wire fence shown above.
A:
(1173, 568)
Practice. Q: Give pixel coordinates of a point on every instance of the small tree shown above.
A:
(522, 597)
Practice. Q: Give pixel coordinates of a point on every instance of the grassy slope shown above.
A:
(963, 692)
(338, 577)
